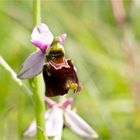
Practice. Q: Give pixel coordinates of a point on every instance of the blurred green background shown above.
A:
(103, 42)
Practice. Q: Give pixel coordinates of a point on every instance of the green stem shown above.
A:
(39, 95)
(36, 11)
(5, 65)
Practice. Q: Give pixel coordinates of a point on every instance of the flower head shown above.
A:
(58, 72)
(59, 115)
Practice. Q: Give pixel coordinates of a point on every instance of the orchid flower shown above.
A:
(58, 115)
(59, 73)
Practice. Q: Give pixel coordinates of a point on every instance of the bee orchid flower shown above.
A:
(59, 73)
(58, 115)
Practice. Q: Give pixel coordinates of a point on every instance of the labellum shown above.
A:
(59, 73)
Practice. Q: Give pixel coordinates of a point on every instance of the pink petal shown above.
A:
(50, 102)
(62, 37)
(32, 66)
(78, 125)
(67, 103)
(42, 36)
(54, 124)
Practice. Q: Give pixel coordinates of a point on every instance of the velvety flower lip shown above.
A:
(42, 37)
(58, 115)
(59, 81)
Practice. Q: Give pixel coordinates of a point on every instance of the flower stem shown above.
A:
(36, 11)
(38, 98)
(37, 84)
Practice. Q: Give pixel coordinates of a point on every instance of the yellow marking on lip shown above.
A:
(71, 85)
